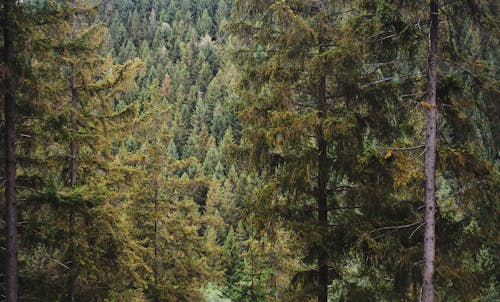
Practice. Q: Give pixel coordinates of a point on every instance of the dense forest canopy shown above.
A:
(250, 150)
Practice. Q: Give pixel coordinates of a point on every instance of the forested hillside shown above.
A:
(250, 150)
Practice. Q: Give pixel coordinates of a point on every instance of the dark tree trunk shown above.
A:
(73, 170)
(156, 266)
(430, 159)
(321, 197)
(156, 185)
(10, 151)
(72, 181)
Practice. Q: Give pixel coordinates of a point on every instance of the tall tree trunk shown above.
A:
(430, 158)
(321, 197)
(156, 186)
(322, 183)
(10, 150)
(73, 173)
(156, 266)
(72, 181)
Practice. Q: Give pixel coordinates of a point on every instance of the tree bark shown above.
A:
(73, 173)
(156, 186)
(72, 181)
(321, 197)
(430, 159)
(157, 240)
(10, 151)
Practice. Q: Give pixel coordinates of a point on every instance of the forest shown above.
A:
(250, 150)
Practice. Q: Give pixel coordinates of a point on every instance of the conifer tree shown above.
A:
(81, 118)
(9, 28)
(132, 194)
(234, 266)
(299, 118)
(430, 158)
(167, 221)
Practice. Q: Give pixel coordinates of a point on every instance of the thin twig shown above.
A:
(395, 227)
(387, 79)
(401, 148)
(412, 94)
(418, 155)
(472, 74)
(60, 263)
(388, 37)
(29, 189)
(415, 230)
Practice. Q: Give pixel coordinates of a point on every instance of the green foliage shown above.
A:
(196, 132)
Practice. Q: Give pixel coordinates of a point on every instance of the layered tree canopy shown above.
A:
(251, 150)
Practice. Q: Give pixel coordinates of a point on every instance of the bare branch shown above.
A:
(29, 189)
(416, 229)
(402, 148)
(396, 227)
(412, 95)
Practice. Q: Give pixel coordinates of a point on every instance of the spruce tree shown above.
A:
(9, 29)
(430, 157)
(299, 118)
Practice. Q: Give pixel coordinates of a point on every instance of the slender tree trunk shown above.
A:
(156, 186)
(430, 159)
(322, 183)
(321, 197)
(252, 284)
(72, 181)
(156, 246)
(73, 173)
(10, 151)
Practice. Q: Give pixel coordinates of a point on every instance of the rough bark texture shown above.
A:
(10, 151)
(321, 197)
(430, 159)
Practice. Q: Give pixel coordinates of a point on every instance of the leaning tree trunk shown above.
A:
(10, 151)
(430, 159)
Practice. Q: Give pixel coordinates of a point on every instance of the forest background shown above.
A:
(174, 150)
